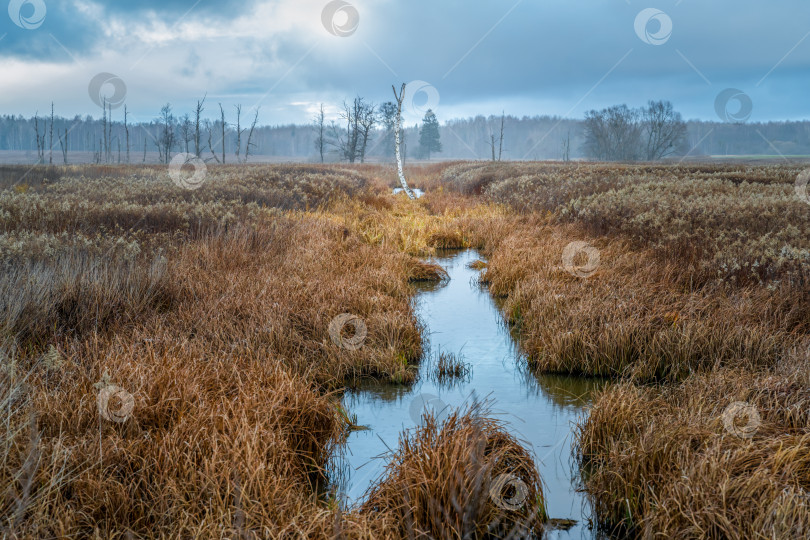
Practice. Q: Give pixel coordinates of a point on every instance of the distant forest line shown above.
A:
(526, 138)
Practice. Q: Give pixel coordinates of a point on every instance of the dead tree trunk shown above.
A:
(50, 154)
(250, 136)
(397, 141)
(126, 130)
(222, 114)
(238, 131)
(500, 146)
(64, 145)
(197, 114)
(210, 144)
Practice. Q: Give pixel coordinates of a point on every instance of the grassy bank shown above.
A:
(170, 358)
(689, 284)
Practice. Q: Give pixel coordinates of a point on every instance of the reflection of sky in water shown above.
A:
(540, 410)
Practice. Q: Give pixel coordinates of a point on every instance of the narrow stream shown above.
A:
(461, 317)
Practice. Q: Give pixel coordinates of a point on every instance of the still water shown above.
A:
(540, 410)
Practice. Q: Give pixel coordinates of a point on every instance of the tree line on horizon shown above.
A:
(365, 131)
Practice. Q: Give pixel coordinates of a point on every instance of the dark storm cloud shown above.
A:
(48, 37)
(528, 57)
(76, 28)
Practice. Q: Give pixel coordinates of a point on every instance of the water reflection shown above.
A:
(540, 410)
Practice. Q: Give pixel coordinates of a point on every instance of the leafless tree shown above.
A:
(239, 131)
(103, 142)
(566, 148)
(319, 126)
(366, 121)
(40, 140)
(126, 129)
(250, 135)
(186, 131)
(619, 133)
(166, 141)
(63, 144)
(222, 115)
(664, 128)
(109, 134)
(613, 134)
(50, 154)
(197, 118)
(500, 145)
(210, 128)
(397, 141)
(347, 143)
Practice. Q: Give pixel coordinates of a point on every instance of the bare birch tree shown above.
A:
(397, 141)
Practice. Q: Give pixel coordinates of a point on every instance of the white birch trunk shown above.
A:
(397, 139)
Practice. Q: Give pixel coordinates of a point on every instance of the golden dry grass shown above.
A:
(701, 287)
(202, 322)
(212, 309)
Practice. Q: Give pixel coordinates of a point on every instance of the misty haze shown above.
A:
(374, 269)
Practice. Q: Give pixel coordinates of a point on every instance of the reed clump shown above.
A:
(465, 477)
(721, 455)
(165, 373)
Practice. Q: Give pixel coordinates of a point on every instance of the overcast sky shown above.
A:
(529, 57)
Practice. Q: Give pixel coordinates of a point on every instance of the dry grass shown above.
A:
(663, 463)
(203, 322)
(212, 309)
(701, 285)
(732, 223)
(464, 478)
